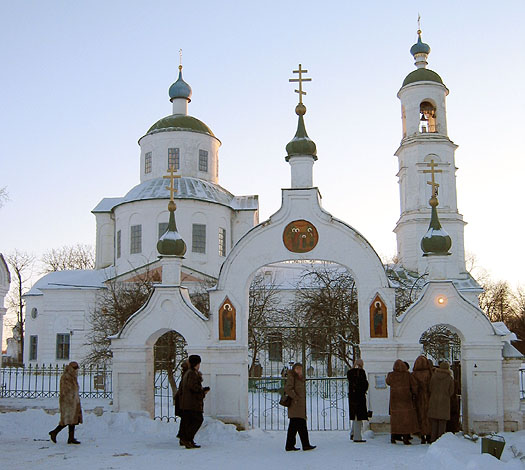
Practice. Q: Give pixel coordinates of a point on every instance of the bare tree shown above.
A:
(4, 196)
(264, 313)
(498, 301)
(21, 266)
(115, 304)
(327, 301)
(69, 257)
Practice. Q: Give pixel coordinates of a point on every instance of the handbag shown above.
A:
(285, 400)
(369, 413)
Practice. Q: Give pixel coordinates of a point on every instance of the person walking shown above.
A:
(357, 388)
(422, 374)
(69, 404)
(403, 419)
(192, 403)
(295, 388)
(441, 389)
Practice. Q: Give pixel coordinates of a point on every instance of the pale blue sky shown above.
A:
(83, 81)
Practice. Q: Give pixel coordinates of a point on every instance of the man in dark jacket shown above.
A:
(192, 402)
(357, 388)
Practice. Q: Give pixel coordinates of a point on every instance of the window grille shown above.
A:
(136, 239)
(198, 244)
(63, 341)
(203, 160)
(173, 159)
(222, 241)
(147, 163)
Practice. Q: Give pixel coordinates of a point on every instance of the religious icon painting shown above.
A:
(300, 236)
(227, 325)
(378, 318)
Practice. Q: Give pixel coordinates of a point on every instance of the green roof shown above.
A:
(181, 122)
(422, 75)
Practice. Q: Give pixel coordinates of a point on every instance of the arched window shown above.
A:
(427, 121)
(441, 343)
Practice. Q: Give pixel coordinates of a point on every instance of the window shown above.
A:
(163, 226)
(275, 347)
(147, 163)
(63, 340)
(33, 344)
(203, 160)
(136, 239)
(222, 241)
(198, 242)
(119, 243)
(427, 121)
(173, 159)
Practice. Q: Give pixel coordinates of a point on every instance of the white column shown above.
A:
(302, 171)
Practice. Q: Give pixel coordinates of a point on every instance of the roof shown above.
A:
(73, 279)
(180, 122)
(422, 75)
(187, 188)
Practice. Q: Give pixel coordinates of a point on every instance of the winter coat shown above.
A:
(69, 400)
(296, 389)
(441, 389)
(178, 394)
(357, 388)
(422, 374)
(453, 425)
(192, 392)
(403, 418)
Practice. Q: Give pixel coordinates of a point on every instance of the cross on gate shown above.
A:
(171, 187)
(301, 79)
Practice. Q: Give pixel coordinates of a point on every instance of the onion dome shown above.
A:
(180, 89)
(436, 241)
(301, 144)
(419, 47)
(171, 243)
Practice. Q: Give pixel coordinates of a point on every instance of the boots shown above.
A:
(71, 438)
(406, 439)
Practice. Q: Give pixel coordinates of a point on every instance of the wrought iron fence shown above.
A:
(326, 404)
(164, 395)
(43, 381)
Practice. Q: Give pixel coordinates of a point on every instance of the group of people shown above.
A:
(422, 402)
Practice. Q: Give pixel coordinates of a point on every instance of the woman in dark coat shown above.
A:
(178, 398)
(403, 418)
(441, 389)
(422, 373)
(69, 403)
(357, 388)
(192, 403)
(295, 388)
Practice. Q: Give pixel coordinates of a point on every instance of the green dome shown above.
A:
(180, 122)
(422, 75)
(436, 240)
(301, 144)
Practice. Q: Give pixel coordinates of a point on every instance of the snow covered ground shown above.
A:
(131, 442)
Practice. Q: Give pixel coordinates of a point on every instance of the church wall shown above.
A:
(105, 240)
(189, 144)
(149, 213)
(59, 311)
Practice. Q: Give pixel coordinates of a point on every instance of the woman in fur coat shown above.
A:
(69, 403)
(422, 373)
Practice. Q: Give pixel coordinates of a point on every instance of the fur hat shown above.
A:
(444, 365)
(194, 359)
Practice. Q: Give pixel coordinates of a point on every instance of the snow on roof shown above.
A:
(74, 279)
(510, 351)
(187, 188)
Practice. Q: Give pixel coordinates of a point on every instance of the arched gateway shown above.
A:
(302, 230)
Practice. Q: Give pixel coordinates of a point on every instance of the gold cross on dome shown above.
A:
(171, 187)
(301, 79)
(433, 172)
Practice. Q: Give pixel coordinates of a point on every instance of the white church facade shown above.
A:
(430, 245)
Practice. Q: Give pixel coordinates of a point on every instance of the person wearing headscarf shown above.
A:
(422, 374)
(403, 418)
(69, 404)
(295, 388)
(441, 389)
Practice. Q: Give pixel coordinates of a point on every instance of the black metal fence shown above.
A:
(41, 381)
(164, 395)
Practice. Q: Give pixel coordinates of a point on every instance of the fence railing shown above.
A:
(41, 381)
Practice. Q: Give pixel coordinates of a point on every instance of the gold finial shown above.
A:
(180, 59)
(433, 200)
(300, 108)
(171, 187)
(418, 24)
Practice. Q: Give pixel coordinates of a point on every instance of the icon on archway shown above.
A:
(378, 318)
(300, 236)
(227, 321)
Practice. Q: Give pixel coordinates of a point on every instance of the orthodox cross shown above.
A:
(180, 59)
(418, 23)
(301, 79)
(171, 187)
(433, 172)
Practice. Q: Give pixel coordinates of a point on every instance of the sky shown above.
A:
(83, 81)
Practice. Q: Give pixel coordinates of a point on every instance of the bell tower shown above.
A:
(425, 140)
